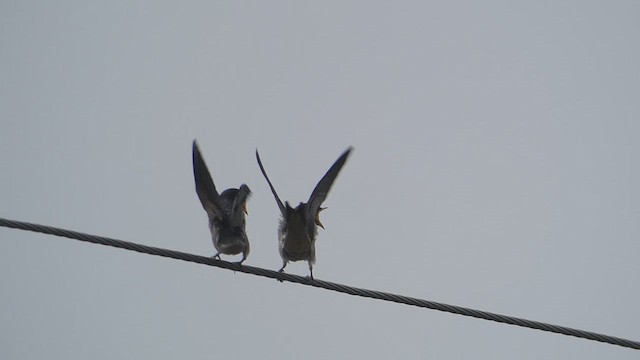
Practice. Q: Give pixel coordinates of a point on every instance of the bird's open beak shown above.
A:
(318, 218)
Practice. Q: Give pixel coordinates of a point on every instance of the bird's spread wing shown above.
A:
(321, 191)
(205, 188)
(283, 210)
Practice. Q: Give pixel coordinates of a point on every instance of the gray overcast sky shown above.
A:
(495, 167)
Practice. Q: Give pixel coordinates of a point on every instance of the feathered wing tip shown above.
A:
(273, 190)
(205, 187)
(321, 190)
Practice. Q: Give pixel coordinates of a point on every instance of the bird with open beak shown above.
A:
(226, 211)
(299, 225)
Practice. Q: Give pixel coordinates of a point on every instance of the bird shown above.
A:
(299, 226)
(226, 211)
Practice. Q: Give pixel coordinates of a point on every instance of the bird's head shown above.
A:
(244, 193)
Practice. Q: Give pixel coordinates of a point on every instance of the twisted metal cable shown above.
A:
(320, 283)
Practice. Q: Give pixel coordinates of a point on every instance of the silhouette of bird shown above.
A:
(299, 226)
(226, 211)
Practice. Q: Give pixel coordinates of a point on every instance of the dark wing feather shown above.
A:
(205, 188)
(283, 210)
(321, 191)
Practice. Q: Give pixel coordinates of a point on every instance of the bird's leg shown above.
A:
(284, 264)
(244, 257)
(216, 256)
(310, 272)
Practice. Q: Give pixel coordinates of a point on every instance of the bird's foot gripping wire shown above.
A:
(238, 264)
(281, 271)
(216, 256)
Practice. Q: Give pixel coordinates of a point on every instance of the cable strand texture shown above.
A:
(320, 283)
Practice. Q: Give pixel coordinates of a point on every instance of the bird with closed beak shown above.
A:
(299, 226)
(226, 211)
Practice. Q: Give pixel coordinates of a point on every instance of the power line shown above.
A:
(321, 284)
